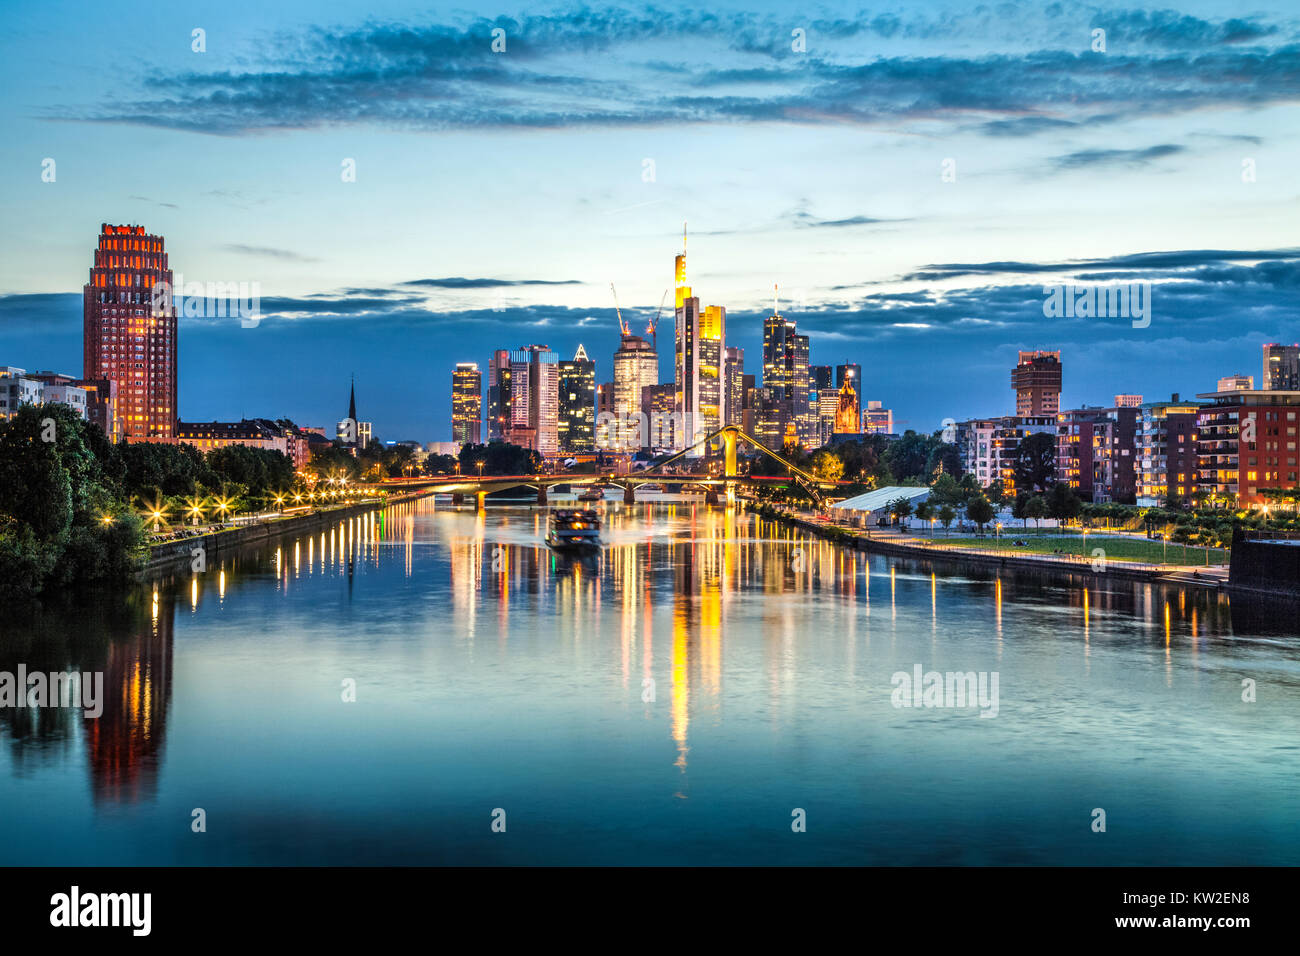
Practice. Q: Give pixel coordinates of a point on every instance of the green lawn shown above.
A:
(1117, 549)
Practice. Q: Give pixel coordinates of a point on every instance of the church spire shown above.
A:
(352, 399)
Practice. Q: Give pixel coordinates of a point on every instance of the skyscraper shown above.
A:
(1037, 382)
(1281, 368)
(466, 404)
(498, 392)
(577, 426)
(698, 350)
(535, 399)
(128, 339)
(734, 382)
(636, 366)
(786, 413)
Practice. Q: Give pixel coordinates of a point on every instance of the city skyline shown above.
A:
(1068, 165)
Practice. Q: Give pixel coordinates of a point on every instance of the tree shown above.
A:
(827, 465)
(1035, 462)
(1062, 503)
(900, 508)
(945, 490)
(62, 521)
(946, 517)
(1018, 508)
(925, 512)
(1036, 508)
(980, 510)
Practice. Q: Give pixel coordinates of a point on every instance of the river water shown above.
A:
(711, 689)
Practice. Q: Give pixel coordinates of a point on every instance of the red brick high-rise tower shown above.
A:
(126, 339)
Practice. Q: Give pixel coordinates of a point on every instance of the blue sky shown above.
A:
(498, 194)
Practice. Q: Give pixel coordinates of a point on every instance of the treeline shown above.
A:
(71, 501)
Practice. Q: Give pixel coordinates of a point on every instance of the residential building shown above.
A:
(1246, 443)
(1097, 453)
(1167, 451)
(1037, 383)
(1237, 383)
(19, 387)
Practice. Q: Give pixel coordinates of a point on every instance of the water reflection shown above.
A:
(701, 633)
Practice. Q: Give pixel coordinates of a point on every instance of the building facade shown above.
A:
(577, 428)
(466, 404)
(1246, 443)
(1036, 380)
(1166, 452)
(1281, 368)
(636, 367)
(129, 333)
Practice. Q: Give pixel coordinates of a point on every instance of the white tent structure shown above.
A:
(875, 504)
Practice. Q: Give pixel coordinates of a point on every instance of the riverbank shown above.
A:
(170, 555)
(896, 544)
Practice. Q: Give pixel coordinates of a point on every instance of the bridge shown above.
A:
(728, 481)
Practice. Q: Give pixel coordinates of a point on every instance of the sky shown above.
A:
(912, 176)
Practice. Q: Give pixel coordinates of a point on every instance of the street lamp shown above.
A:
(480, 467)
(999, 535)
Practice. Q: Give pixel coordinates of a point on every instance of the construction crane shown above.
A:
(622, 326)
(652, 329)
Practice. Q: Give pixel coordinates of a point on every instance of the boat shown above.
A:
(574, 530)
(595, 493)
(652, 487)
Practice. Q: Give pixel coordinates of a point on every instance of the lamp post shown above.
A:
(998, 536)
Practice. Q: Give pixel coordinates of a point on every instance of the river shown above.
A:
(427, 685)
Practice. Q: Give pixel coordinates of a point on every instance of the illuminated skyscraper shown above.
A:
(786, 414)
(577, 427)
(535, 399)
(734, 380)
(636, 366)
(498, 392)
(126, 340)
(698, 351)
(466, 404)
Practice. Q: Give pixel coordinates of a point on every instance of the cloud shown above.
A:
(456, 282)
(156, 202)
(678, 66)
(1115, 157)
(1168, 262)
(284, 255)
